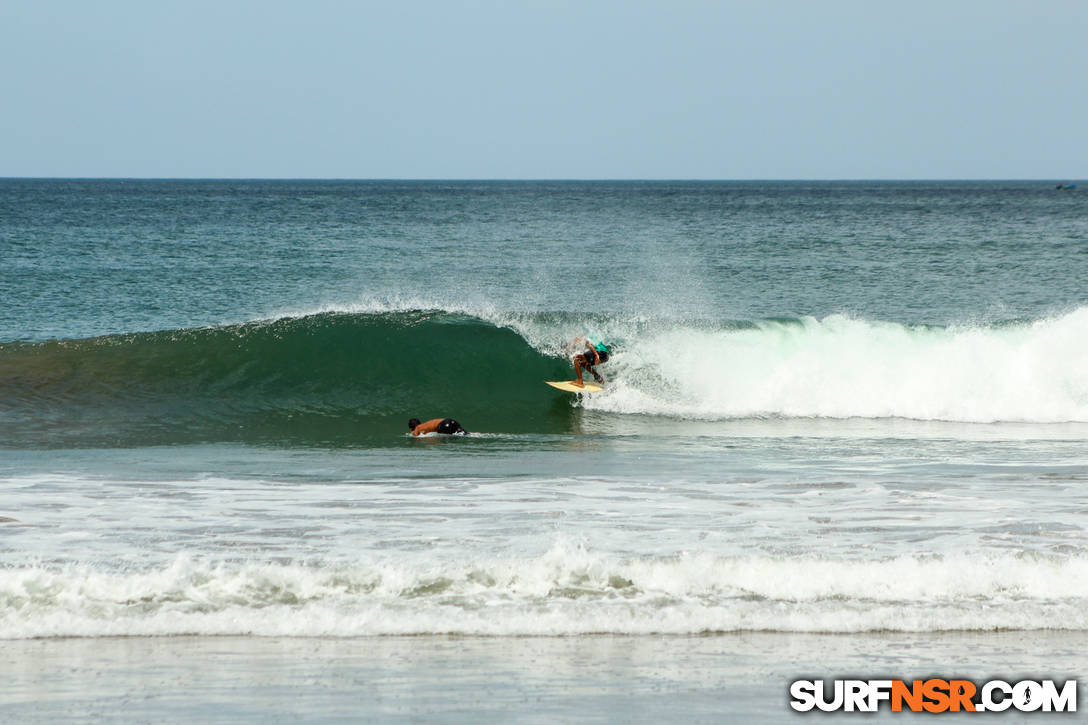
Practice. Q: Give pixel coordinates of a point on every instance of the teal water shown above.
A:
(853, 408)
(87, 258)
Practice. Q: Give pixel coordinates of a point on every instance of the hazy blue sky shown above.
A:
(549, 89)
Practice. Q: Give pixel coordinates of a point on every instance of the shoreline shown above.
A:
(734, 677)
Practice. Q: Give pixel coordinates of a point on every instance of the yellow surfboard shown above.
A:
(570, 387)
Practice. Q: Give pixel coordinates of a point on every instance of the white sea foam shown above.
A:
(564, 592)
(841, 367)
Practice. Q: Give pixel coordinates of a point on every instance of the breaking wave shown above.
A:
(563, 592)
(358, 376)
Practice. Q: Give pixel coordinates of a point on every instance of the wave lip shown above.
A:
(564, 592)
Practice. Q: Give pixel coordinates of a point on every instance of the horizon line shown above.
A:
(538, 179)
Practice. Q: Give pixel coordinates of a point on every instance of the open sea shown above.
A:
(845, 434)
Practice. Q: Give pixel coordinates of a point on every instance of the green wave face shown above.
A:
(331, 378)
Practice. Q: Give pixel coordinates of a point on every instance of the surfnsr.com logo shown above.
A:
(933, 695)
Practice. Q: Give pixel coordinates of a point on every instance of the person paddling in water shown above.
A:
(594, 355)
(449, 426)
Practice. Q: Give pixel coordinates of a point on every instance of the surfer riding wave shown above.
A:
(596, 353)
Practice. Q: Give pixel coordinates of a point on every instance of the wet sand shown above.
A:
(740, 677)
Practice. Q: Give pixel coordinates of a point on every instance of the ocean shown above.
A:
(844, 434)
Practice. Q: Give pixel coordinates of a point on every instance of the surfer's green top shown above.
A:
(601, 347)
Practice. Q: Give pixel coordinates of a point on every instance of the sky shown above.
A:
(587, 89)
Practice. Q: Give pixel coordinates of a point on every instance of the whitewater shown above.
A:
(560, 593)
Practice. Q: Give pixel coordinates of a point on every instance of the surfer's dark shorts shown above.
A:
(449, 426)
